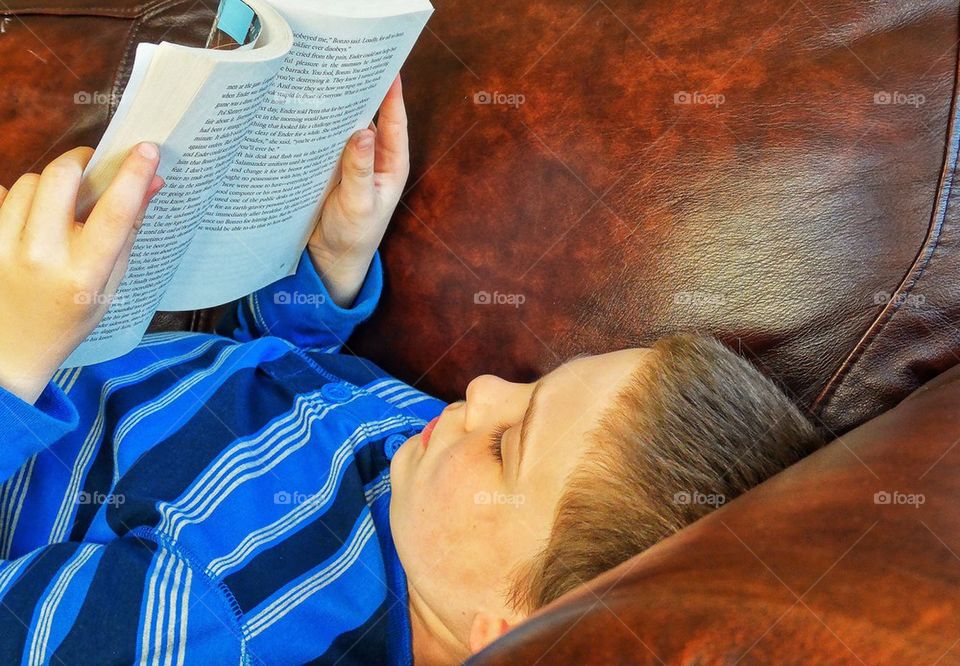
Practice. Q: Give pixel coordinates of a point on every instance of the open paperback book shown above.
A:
(251, 129)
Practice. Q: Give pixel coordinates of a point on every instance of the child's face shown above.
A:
(463, 520)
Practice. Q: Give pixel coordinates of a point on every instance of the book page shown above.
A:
(195, 157)
(330, 85)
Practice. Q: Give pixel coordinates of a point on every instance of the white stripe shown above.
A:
(145, 410)
(372, 388)
(400, 386)
(241, 451)
(161, 610)
(299, 593)
(6, 486)
(68, 503)
(145, 643)
(184, 610)
(10, 527)
(173, 618)
(413, 401)
(41, 635)
(302, 512)
(376, 490)
(11, 570)
(403, 395)
(71, 379)
(157, 338)
(5, 501)
(218, 484)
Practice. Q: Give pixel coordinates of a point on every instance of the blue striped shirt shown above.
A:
(211, 498)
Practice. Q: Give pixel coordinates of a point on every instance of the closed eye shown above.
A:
(496, 441)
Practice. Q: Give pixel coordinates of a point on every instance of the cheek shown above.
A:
(448, 488)
(444, 509)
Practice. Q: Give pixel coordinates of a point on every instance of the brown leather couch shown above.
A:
(777, 173)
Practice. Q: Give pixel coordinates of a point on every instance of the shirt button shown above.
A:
(393, 443)
(336, 392)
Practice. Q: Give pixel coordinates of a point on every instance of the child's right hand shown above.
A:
(57, 275)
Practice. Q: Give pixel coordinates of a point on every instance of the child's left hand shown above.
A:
(355, 216)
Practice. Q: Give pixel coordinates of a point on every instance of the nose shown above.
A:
(485, 395)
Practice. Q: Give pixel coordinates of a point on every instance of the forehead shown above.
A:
(572, 400)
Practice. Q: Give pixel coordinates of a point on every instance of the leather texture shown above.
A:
(589, 175)
(783, 209)
(800, 219)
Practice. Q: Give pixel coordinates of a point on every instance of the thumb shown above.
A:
(356, 180)
(120, 268)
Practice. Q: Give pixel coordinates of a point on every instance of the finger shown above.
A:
(3, 194)
(104, 235)
(393, 151)
(356, 191)
(120, 267)
(16, 207)
(155, 186)
(52, 212)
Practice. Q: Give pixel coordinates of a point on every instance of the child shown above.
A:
(256, 496)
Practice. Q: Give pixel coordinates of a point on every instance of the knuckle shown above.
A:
(359, 207)
(34, 256)
(60, 169)
(81, 283)
(140, 168)
(394, 124)
(27, 180)
(80, 155)
(363, 170)
(113, 217)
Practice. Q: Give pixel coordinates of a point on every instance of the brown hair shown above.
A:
(695, 427)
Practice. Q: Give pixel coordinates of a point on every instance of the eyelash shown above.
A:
(496, 442)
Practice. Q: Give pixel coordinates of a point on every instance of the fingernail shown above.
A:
(366, 140)
(148, 150)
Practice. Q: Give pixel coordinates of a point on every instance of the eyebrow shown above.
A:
(527, 419)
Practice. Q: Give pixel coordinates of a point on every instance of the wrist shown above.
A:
(342, 275)
(26, 386)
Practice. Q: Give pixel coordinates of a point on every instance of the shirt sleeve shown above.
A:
(299, 309)
(27, 429)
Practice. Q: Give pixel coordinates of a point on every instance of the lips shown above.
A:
(428, 430)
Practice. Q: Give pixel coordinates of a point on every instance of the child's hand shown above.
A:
(355, 216)
(58, 275)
